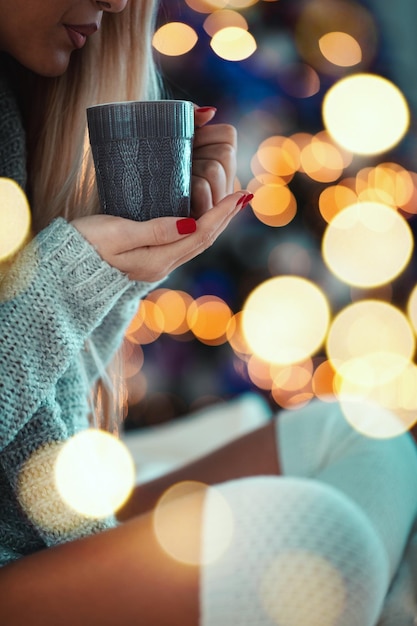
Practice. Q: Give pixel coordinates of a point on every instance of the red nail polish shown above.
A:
(247, 199)
(186, 225)
(206, 109)
(241, 199)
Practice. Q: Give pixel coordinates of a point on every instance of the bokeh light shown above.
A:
(38, 494)
(365, 113)
(15, 218)
(224, 19)
(369, 327)
(287, 578)
(275, 321)
(174, 39)
(94, 473)
(377, 394)
(208, 318)
(233, 43)
(334, 35)
(148, 323)
(206, 6)
(367, 244)
(340, 49)
(178, 518)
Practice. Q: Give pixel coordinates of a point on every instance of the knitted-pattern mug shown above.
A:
(142, 153)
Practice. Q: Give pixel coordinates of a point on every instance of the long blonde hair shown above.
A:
(116, 64)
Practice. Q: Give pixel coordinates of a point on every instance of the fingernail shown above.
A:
(244, 200)
(186, 225)
(205, 109)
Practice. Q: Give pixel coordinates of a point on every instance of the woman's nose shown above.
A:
(113, 6)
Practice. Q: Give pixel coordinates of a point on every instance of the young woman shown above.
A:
(321, 538)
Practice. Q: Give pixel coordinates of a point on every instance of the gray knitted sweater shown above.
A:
(58, 297)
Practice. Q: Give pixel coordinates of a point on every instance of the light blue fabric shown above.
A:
(57, 300)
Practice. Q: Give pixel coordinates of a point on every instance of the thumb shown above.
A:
(203, 115)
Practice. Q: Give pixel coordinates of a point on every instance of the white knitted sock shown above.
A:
(379, 475)
(319, 545)
(301, 554)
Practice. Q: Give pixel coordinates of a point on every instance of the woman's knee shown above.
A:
(300, 553)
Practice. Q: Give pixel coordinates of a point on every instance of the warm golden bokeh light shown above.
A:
(274, 205)
(412, 308)
(332, 35)
(94, 473)
(376, 393)
(369, 327)
(206, 6)
(279, 156)
(148, 323)
(174, 305)
(367, 244)
(388, 183)
(236, 337)
(223, 19)
(276, 324)
(15, 218)
(321, 161)
(39, 496)
(323, 381)
(340, 49)
(286, 578)
(334, 198)
(233, 43)
(178, 517)
(365, 113)
(208, 317)
(174, 39)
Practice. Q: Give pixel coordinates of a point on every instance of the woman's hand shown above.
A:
(214, 161)
(148, 251)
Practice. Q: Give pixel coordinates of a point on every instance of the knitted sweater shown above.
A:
(58, 296)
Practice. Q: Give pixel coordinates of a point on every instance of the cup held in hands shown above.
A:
(142, 153)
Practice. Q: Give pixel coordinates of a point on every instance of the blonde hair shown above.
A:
(116, 64)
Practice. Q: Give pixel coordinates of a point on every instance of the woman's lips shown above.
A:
(78, 33)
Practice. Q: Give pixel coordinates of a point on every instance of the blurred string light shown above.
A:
(332, 35)
(356, 241)
(364, 212)
(15, 219)
(174, 39)
(275, 323)
(365, 113)
(88, 476)
(371, 345)
(177, 522)
(233, 43)
(387, 183)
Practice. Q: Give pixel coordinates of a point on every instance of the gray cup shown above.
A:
(142, 155)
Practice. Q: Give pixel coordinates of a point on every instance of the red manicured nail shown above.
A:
(246, 200)
(205, 109)
(241, 199)
(186, 225)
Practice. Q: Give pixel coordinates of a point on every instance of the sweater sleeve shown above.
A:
(57, 293)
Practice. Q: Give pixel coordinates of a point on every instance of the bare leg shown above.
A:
(123, 576)
(120, 576)
(253, 454)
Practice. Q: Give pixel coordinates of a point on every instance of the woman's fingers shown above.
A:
(153, 262)
(111, 235)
